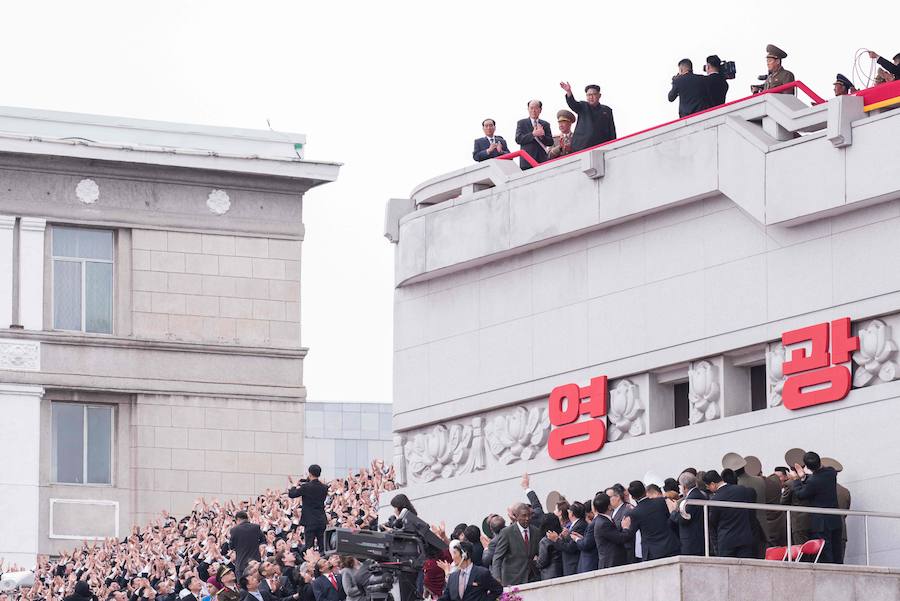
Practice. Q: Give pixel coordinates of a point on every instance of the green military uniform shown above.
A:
(780, 75)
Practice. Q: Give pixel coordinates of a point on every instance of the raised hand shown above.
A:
(566, 86)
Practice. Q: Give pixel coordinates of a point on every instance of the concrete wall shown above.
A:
(699, 579)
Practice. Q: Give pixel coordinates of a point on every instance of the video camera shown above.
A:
(728, 69)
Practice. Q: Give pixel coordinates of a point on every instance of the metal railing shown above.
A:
(788, 509)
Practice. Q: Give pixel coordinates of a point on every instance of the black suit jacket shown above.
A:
(587, 560)
(595, 124)
(690, 531)
(245, 539)
(889, 66)
(651, 517)
(325, 591)
(610, 542)
(717, 88)
(819, 489)
(527, 142)
(731, 528)
(480, 152)
(569, 548)
(312, 494)
(481, 586)
(693, 91)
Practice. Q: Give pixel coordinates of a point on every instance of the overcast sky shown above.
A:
(396, 91)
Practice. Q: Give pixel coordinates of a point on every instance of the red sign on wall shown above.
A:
(832, 345)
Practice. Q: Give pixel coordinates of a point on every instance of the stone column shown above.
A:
(19, 485)
(7, 224)
(31, 273)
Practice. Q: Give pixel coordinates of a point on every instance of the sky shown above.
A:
(396, 92)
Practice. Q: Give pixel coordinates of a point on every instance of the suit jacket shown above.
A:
(731, 528)
(690, 531)
(536, 507)
(513, 563)
(776, 521)
(480, 586)
(692, 90)
(245, 539)
(480, 152)
(569, 548)
(889, 66)
(527, 142)
(717, 88)
(758, 485)
(487, 558)
(595, 124)
(312, 494)
(325, 591)
(610, 543)
(820, 489)
(651, 517)
(549, 559)
(620, 514)
(587, 546)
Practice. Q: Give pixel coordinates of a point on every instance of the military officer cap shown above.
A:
(565, 115)
(841, 79)
(773, 51)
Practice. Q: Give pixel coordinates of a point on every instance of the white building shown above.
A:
(149, 300)
(670, 262)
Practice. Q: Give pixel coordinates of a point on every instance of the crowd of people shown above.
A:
(594, 124)
(268, 548)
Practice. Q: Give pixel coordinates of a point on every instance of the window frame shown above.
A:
(54, 476)
(83, 261)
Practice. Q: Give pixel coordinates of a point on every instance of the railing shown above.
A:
(816, 99)
(788, 509)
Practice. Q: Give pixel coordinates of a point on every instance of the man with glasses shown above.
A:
(595, 120)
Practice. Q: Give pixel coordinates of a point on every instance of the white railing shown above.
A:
(788, 509)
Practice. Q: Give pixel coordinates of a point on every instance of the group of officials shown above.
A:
(622, 525)
(594, 121)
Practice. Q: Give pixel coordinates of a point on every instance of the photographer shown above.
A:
(717, 85)
(312, 494)
(408, 582)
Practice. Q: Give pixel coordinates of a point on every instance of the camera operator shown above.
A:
(469, 582)
(312, 494)
(690, 88)
(716, 83)
(408, 581)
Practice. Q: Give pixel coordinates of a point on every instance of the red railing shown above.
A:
(816, 99)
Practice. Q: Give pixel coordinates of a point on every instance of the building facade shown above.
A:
(643, 307)
(150, 305)
(344, 437)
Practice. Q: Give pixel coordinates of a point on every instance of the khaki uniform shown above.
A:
(843, 496)
(778, 78)
(776, 521)
(227, 594)
(799, 521)
(562, 145)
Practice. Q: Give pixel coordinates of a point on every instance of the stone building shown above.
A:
(150, 305)
(343, 437)
(630, 311)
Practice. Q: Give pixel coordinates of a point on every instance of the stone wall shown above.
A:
(214, 288)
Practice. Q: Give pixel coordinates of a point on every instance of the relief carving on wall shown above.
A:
(87, 191)
(775, 377)
(444, 452)
(518, 434)
(20, 355)
(877, 350)
(399, 460)
(626, 411)
(703, 392)
(218, 202)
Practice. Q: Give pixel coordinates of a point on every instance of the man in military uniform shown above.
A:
(562, 144)
(843, 497)
(843, 86)
(777, 75)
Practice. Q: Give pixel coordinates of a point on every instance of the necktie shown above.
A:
(525, 535)
(462, 583)
(333, 581)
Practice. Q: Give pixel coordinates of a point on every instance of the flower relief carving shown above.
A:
(519, 434)
(703, 392)
(20, 355)
(218, 202)
(775, 373)
(444, 452)
(626, 411)
(399, 460)
(877, 350)
(87, 191)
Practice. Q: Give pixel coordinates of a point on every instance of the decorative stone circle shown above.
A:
(87, 191)
(218, 202)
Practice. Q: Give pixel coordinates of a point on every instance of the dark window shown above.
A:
(682, 405)
(758, 388)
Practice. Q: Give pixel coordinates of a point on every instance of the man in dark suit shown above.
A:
(517, 547)
(567, 544)
(820, 489)
(690, 88)
(595, 121)
(327, 586)
(533, 135)
(245, 539)
(312, 494)
(469, 582)
(496, 524)
(609, 540)
(730, 529)
(587, 547)
(620, 509)
(489, 146)
(716, 84)
(689, 518)
(651, 518)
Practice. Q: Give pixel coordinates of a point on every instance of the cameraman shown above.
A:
(717, 85)
(312, 494)
(408, 582)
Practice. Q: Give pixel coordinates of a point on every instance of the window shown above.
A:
(82, 279)
(682, 405)
(758, 400)
(82, 443)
